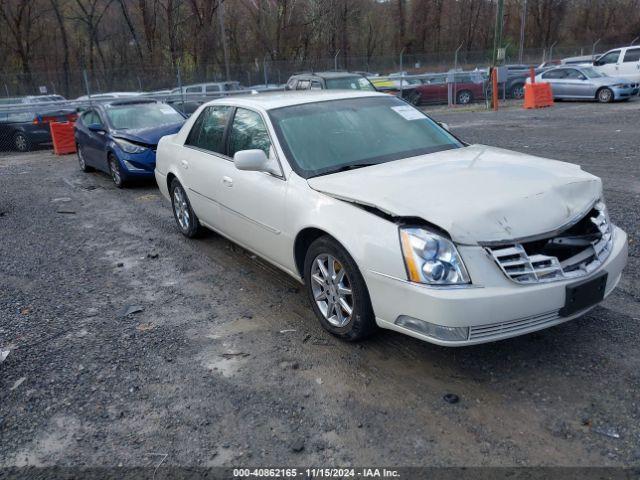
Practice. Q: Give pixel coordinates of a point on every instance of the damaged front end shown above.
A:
(573, 252)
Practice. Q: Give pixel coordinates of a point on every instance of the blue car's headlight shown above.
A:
(129, 147)
(431, 258)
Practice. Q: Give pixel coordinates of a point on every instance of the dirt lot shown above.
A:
(226, 365)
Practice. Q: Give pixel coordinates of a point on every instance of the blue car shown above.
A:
(120, 137)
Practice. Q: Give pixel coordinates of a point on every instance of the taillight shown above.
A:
(36, 121)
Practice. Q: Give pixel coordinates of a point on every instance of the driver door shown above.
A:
(253, 204)
(608, 63)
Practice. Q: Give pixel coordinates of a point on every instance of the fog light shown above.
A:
(439, 332)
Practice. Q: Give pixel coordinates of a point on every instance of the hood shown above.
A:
(148, 136)
(476, 193)
(611, 80)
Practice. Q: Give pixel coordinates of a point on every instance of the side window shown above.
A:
(208, 130)
(611, 57)
(573, 74)
(632, 55)
(316, 85)
(248, 131)
(303, 85)
(291, 84)
(91, 117)
(554, 74)
(212, 88)
(194, 90)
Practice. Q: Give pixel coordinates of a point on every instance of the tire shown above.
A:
(21, 142)
(115, 171)
(517, 91)
(329, 297)
(464, 97)
(605, 95)
(414, 98)
(83, 165)
(185, 217)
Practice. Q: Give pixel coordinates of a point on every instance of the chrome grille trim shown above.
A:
(513, 326)
(523, 268)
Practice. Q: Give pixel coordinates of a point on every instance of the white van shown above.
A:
(622, 62)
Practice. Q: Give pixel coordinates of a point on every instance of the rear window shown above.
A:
(349, 83)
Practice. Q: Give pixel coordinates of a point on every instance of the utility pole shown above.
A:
(523, 23)
(497, 39)
(223, 36)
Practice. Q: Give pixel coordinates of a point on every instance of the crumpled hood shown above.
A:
(149, 136)
(477, 193)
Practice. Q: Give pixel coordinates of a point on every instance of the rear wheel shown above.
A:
(81, 161)
(336, 289)
(517, 91)
(464, 97)
(414, 98)
(116, 171)
(605, 95)
(21, 142)
(184, 215)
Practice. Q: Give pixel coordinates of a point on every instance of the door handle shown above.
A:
(228, 181)
(185, 164)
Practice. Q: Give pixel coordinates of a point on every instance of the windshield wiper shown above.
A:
(349, 167)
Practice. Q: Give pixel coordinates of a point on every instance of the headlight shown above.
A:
(129, 147)
(431, 258)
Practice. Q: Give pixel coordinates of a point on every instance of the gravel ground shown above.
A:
(226, 365)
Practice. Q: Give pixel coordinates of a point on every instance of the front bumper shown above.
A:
(493, 308)
(137, 165)
(623, 93)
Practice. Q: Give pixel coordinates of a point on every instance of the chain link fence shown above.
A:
(30, 101)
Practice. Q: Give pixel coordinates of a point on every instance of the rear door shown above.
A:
(630, 65)
(556, 79)
(204, 163)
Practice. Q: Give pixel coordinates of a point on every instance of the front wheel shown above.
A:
(464, 97)
(605, 95)
(414, 98)
(184, 215)
(338, 294)
(116, 172)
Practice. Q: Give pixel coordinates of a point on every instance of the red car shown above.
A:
(435, 89)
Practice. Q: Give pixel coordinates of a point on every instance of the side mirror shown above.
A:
(256, 161)
(597, 63)
(95, 127)
(582, 77)
(445, 126)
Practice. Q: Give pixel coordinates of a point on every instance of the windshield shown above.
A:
(591, 73)
(142, 115)
(349, 83)
(325, 137)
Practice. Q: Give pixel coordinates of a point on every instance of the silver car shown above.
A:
(587, 84)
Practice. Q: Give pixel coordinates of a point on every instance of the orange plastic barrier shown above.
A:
(537, 95)
(62, 137)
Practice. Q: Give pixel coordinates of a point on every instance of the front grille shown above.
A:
(513, 326)
(574, 253)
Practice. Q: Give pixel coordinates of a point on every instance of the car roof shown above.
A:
(272, 100)
(131, 101)
(328, 74)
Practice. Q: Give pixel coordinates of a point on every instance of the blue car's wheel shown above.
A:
(116, 171)
(81, 161)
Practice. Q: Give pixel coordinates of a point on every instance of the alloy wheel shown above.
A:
(331, 289)
(115, 171)
(604, 95)
(181, 208)
(21, 143)
(81, 161)
(464, 98)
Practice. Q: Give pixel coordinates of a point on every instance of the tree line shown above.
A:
(108, 36)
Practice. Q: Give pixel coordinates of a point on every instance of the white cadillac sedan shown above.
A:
(391, 221)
